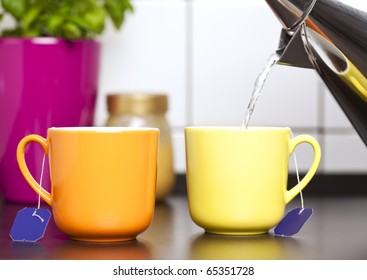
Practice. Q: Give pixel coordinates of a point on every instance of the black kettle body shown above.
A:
(331, 37)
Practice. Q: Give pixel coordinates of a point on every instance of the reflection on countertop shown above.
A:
(257, 247)
(335, 231)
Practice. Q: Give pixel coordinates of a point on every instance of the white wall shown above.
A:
(206, 55)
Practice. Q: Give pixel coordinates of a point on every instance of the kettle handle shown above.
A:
(290, 194)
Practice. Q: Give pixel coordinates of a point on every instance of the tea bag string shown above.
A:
(41, 179)
(298, 180)
(39, 193)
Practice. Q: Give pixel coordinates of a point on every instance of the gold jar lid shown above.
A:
(137, 103)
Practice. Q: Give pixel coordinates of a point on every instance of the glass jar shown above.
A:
(147, 110)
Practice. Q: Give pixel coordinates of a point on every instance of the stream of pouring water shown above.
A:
(259, 83)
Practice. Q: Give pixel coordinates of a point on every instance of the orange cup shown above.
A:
(103, 180)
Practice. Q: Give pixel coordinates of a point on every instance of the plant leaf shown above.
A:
(30, 16)
(31, 32)
(71, 31)
(116, 10)
(62, 18)
(16, 8)
(95, 19)
(53, 24)
(81, 22)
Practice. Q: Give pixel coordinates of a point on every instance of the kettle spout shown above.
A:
(291, 50)
(291, 14)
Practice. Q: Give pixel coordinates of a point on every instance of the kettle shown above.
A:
(329, 36)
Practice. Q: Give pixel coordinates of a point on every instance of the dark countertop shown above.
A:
(336, 231)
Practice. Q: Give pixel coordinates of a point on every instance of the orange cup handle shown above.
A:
(45, 195)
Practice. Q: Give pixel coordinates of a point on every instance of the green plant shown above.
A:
(70, 19)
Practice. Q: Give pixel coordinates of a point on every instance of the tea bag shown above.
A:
(294, 220)
(30, 223)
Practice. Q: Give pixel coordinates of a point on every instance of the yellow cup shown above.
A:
(237, 178)
(103, 180)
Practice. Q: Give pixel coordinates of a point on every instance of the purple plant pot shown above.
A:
(44, 82)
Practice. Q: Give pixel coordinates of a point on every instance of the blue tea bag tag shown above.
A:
(293, 221)
(30, 224)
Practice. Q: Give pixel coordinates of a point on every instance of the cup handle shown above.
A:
(290, 194)
(46, 196)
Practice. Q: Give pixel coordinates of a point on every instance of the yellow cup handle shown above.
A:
(290, 194)
(46, 196)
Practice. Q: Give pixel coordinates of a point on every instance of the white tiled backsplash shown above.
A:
(206, 55)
